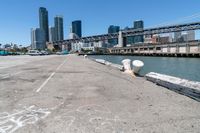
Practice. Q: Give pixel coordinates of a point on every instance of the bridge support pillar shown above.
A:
(168, 49)
(199, 48)
(120, 39)
(187, 49)
(177, 48)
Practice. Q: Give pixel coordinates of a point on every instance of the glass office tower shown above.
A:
(113, 29)
(44, 22)
(77, 28)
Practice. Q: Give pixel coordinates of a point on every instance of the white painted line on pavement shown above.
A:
(47, 80)
(61, 65)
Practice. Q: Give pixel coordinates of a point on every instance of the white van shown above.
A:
(34, 52)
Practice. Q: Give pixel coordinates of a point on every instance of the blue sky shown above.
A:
(19, 16)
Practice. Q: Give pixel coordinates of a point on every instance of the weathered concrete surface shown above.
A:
(182, 86)
(11, 61)
(70, 94)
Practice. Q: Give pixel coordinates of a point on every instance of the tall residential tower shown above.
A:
(59, 32)
(44, 22)
(52, 34)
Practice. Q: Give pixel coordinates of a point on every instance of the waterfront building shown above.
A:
(113, 29)
(148, 38)
(72, 35)
(190, 35)
(78, 46)
(52, 34)
(88, 46)
(59, 32)
(177, 37)
(77, 28)
(44, 23)
(100, 44)
(155, 39)
(164, 39)
(38, 40)
(184, 36)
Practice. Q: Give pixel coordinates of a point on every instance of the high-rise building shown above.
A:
(59, 32)
(77, 28)
(44, 22)
(113, 29)
(138, 25)
(38, 39)
(52, 34)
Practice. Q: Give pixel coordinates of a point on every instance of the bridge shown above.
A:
(133, 32)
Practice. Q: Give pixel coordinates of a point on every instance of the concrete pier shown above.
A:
(182, 86)
(175, 49)
(70, 94)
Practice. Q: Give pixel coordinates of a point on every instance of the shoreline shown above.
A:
(182, 86)
(148, 55)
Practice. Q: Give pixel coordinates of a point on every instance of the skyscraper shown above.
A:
(44, 22)
(77, 28)
(139, 25)
(113, 29)
(59, 32)
(52, 34)
(38, 39)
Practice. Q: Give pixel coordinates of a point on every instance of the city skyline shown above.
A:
(95, 20)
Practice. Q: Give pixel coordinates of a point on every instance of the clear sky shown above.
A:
(19, 16)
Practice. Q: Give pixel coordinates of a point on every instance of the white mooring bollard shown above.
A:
(137, 66)
(127, 65)
(85, 56)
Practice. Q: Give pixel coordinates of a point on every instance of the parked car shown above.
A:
(44, 53)
(59, 53)
(34, 52)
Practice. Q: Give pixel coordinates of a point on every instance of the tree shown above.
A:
(24, 50)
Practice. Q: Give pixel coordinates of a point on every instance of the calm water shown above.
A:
(187, 68)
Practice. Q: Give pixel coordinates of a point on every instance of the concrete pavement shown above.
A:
(70, 94)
